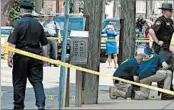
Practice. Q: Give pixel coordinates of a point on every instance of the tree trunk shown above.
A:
(93, 8)
(128, 12)
(148, 9)
(38, 6)
(75, 6)
(103, 16)
(116, 9)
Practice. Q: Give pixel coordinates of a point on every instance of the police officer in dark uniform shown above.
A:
(28, 35)
(161, 34)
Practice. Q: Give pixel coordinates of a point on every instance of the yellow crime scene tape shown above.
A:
(103, 39)
(83, 69)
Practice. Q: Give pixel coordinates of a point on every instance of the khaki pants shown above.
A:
(122, 89)
(161, 75)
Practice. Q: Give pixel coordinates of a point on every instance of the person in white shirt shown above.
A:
(52, 29)
(41, 19)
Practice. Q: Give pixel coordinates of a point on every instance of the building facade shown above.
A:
(55, 6)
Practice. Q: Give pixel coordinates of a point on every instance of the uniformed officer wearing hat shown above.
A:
(161, 33)
(52, 29)
(41, 18)
(28, 35)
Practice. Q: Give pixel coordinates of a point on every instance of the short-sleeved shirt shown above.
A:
(52, 27)
(163, 28)
(150, 65)
(42, 22)
(28, 32)
(127, 69)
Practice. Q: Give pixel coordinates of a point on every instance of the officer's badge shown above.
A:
(158, 23)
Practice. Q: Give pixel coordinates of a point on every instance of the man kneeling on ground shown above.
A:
(154, 69)
(127, 70)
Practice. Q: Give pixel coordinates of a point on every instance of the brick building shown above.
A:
(56, 6)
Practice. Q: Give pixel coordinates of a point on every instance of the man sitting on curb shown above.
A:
(150, 71)
(127, 70)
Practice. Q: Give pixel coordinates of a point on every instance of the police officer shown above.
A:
(161, 33)
(41, 19)
(52, 29)
(28, 35)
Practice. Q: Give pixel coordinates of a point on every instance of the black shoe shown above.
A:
(167, 97)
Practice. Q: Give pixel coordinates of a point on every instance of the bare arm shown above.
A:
(44, 43)
(45, 50)
(10, 55)
(153, 35)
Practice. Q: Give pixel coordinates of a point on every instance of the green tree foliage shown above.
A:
(13, 10)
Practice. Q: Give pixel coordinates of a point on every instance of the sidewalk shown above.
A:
(106, 103)
(51, 83)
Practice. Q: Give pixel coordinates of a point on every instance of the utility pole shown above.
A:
(93, 9)
(128, 13)
(63, 57)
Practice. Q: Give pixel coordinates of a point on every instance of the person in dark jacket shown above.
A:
(28, 35)
(126, 70)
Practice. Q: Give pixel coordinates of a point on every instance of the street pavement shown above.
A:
(51, 85)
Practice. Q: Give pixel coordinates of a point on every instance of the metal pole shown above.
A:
(63, 57)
